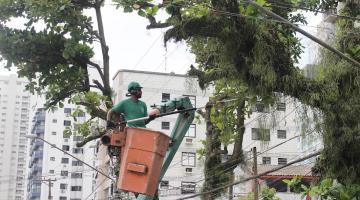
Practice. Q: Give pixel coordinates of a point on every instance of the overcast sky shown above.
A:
(132, 46)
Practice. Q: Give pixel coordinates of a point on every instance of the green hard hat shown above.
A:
(133, 85)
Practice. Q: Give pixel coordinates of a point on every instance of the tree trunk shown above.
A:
(216, 172)
(212, 157)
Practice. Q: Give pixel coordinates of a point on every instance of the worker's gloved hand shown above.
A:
(110, 124)
(152, 117)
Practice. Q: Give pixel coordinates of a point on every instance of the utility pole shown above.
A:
(231, 188)
(256, 189)
(49, 180)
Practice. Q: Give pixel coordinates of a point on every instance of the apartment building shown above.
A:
(14, 125)
(265, 128)
(52, 173)
(282, 133)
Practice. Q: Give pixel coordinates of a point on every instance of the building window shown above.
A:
(188, 170)
(53, 133)
(52, 158)
(63, 186)
(165, 97)
(188, 159)
(54, 120)
(266, 160)
(192, 131)
(76, 175)
(67, 123)
(281, 106)
(65, 147)
(78, 150)
(281, 134)
(62, 198)
(260, 107)
(77, 138)
(65, 160)
(192, 99)
(64, 173)
(81, 114)
(282, 161)
(51, 171)
(165, 125)
(66, 136)
(76, 188)
(260, 134)
(188, 187)
(164, 184)
(67, 111)
(76, 163)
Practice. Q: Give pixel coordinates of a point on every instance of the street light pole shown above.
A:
(54, 146)
(50, 183)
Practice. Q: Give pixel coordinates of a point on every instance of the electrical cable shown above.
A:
(259, 153)
(290, 6)
(54, 146)
(254, 177)
(247, 123)
(147, 51)
(97, 187)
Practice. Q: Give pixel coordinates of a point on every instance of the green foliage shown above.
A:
(197, 11)
(269, 194)
(266, 194)
(294, 184)
(327, 189)
(52, 49)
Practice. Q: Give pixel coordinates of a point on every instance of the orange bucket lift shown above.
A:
(143, 156)
(142, 163)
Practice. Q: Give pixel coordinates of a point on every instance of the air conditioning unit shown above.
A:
(188, 140)
(188, 170)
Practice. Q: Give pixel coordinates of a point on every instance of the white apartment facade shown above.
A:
(52, 173)
(14, 125)
(185, 174)
(281, 134)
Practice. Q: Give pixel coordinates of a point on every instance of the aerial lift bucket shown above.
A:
(142, 159)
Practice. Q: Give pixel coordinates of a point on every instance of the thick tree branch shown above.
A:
(94, 111)
(98, 68)
(83, 3)
(104, 49)
(200, 27)
(153, 24)
(90, 138)
(60, 97)
(98, 85)
(158, 25)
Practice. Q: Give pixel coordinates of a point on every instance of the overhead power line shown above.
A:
(290, 6)
(253, 177)
(259, 153)
(97, 187)
(306, 34)
(147, 51)
(54, 146)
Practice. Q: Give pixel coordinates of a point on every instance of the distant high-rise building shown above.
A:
(69, 178)
(14, 125)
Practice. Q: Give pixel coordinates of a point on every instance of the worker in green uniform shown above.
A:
(131, 108)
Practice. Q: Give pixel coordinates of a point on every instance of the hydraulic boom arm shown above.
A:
(182, 125)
